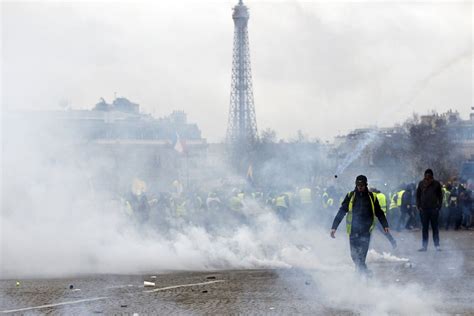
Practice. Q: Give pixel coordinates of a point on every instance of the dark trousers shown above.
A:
(466, 216)
(403, 219)
(443, 216)
(283, 213)
(412, 219)
(454, 215)
(430, 216)
(359, 244)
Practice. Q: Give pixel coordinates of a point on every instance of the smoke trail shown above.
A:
(369, 138)
(421, 84)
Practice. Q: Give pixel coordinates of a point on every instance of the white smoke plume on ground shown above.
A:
(56, 243)
(54, 225)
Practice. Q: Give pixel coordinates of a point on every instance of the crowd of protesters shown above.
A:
(313, 203)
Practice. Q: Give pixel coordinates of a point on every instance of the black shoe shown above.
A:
(422, 249)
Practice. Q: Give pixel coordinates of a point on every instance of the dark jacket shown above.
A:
(429, 196)
(362, 216)
(464, 198)
(406, 200)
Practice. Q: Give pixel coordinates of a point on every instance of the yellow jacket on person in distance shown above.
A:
(235, 204)
(305, 196)
(282, 201)
(382, 201)
(399, 197)
(393, 202)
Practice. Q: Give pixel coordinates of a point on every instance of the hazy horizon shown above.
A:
(320, 67)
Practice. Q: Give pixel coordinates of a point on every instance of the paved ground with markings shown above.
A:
(449, 273)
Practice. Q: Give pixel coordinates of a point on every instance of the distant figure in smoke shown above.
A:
(137, 201)
(361, 207)
(465, 201)
(454, 211)
(406, 220)
(429, 200)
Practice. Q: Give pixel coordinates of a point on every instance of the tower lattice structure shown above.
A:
(242, 124)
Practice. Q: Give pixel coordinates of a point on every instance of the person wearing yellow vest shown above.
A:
(235, 204)
(327, 200)
(383, 205)
(392, 209)
(180, 207)
(361, 207)
(399, 200)
(305, 199)
(282, 205)
(444, 214)
(137, 202)
(407, 209)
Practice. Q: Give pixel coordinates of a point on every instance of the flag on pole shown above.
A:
(179, 145)
(250, 174)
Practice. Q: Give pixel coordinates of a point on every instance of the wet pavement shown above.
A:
(448, 275)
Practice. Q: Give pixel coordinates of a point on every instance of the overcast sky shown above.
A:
(321, 67)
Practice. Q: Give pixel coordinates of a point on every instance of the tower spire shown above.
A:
(242, 124)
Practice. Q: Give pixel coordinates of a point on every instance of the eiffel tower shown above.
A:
(242, 124)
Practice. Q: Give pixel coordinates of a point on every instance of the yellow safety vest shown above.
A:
(351, 195)
(382, 201)
(128, 208)
(235, 203)
(305, 196)
(281, 201)
(181, 208)
(446, 193)
(399, 198)
(326, 200)
(393, 204)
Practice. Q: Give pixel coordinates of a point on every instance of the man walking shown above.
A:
(361, 207)
(429, 199)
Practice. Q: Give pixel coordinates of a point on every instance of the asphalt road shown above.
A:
(404, 282)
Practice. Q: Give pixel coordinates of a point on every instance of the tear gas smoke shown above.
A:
(56, 221)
